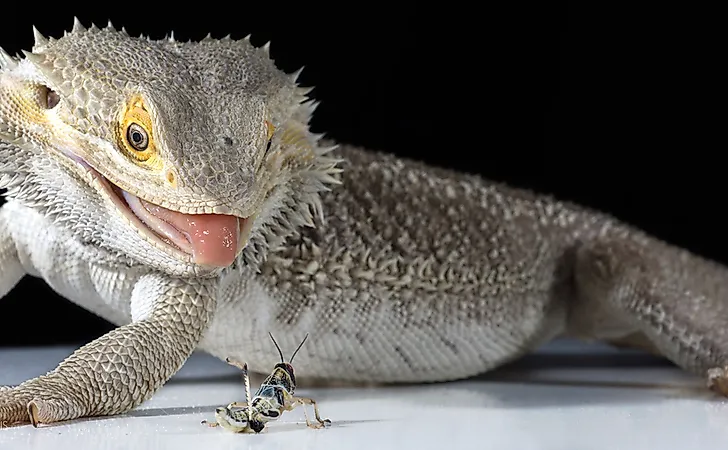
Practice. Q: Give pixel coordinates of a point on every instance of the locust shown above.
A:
(273, 398)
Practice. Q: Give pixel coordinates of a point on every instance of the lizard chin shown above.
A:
(209, 240)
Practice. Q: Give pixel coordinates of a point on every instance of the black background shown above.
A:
(614, 107)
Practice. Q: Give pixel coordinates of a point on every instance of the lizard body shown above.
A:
(174, 189)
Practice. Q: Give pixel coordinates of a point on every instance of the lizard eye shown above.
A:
(137, 137)
(134, 134)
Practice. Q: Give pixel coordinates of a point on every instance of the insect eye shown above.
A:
(137, 137)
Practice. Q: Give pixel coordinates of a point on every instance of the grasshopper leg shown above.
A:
(235, 363)
(303, 401)
(210, 424)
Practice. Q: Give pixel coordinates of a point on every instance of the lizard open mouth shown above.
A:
(212, 240)
(208, 239)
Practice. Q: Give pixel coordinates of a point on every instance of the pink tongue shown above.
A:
(213, 238)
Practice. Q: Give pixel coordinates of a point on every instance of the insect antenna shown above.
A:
(276, 344)
(248, 397)
(290, 361)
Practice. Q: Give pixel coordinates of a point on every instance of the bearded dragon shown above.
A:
(175, 189)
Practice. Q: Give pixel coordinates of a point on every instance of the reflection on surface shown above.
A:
(564, 396)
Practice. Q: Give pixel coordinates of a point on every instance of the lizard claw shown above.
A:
(13, 410)
(35, 402)
(34, 413)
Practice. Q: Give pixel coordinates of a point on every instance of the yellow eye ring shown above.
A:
(134, 132)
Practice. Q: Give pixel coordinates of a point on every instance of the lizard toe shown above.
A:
(12, 407)
(43, 411)
(37, 402)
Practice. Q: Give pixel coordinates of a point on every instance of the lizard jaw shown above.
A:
(212, 239)
(183, 236)
(174, 233)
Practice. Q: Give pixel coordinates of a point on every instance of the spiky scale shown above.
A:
(40, 40)
(77, 26)
(7, 61)
(312, 106)
(305, 90)
(35, 58)
(295, 75)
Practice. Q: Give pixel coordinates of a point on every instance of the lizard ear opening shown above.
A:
(49, 98)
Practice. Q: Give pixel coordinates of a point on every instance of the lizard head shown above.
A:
(184, 156)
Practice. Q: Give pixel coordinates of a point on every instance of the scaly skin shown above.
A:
(400, 272)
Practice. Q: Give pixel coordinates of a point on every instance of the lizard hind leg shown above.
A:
(678, 301)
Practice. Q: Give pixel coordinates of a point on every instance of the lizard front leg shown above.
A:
(678, 301)
(11, 270)
(123, 368)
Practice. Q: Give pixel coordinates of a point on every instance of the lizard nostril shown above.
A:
(171, 178)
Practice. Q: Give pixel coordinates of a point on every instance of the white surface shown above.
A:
(564, 397)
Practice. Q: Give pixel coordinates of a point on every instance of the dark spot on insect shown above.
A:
(271, 413)
(267, 147)
(228, 140)
(256, 425)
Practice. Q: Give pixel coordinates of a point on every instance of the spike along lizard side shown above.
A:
(175, 190)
